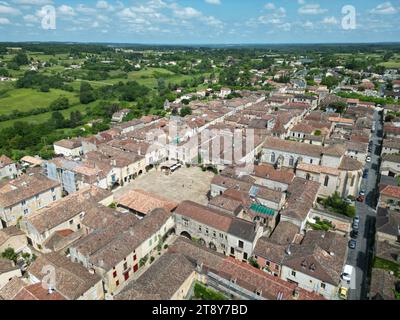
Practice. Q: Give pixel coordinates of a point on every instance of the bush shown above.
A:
(204, 293)
(152, 259)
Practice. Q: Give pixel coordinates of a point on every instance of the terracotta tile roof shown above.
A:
(7, 233)
(269, 172)
(246, 276)
(269, 250)
(226, 204)
(161, 281)
(350, 164)
(108, 246)
(69, 144)
(248, 187)
(37, 292)
(302, 194)
(318, 169)
(72, 279)
(382, 285)
(145, 202)
(6, 265)
(391, 191)
(204, 215)
(25, 187)
(392, 157)
(341, 120)
(65, 209)
(391, 143)
(284, 233)
(5, 161)
(321, 255)
(293, 147)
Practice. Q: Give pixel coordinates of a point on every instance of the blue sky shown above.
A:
(201, 21)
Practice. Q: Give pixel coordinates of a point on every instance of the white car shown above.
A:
(347, 273)
(368, 159)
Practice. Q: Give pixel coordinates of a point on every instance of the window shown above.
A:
(54, 198)
(214, 234)
(291, 161)
(308, 176)
(241, 244)
(200, 228)
(71, 221)
(185, 221)
(134, 257)
(268, 263)
(52, 189)
(117, 283)
(114, 274)
(326, 181)
(293, 273)
(26, 211)
(273, 157)
(323, 285)
(78, 226)
(23, 202)
(232, 251)
(311, 161)
(125, 265)
(221, 235)
(245, 256)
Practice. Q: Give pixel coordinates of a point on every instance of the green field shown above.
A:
(28, 99)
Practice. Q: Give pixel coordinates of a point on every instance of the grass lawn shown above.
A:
(387, 265)
(40, 118)
(27, 99)
(391, 64)
(203, 293)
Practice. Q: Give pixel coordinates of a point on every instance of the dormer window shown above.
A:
(312, 267)
(304, 264)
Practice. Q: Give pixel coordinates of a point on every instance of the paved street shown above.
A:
(361, 257)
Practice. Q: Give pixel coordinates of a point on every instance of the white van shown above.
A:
(347, 273)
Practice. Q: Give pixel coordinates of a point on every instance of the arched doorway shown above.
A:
(186, 235)
(213, 246)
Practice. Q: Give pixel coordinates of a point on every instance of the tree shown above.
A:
(57, 120)
(10, 254)
(21, 59)
(86, 93)
(59, 104)
(185, 111)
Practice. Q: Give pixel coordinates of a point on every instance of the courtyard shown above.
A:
(184, 184)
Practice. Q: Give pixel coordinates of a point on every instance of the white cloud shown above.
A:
(4, 21)
(187, 13)
(66, 11)
(308, 24)
(30, 18)
(5, 9)
(85, 10)
(33, 2)
(217, 2)
(384, 8)
(269, 6)
(301, 2)
(312, 9)
(329, 20)
(104, 5)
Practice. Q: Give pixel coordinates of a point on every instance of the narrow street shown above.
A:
(361, 257)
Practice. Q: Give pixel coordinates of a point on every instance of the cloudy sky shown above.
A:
(201, 21)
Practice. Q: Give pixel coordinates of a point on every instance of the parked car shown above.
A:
(347, 273)
(356, 225)
(352, 244)
(354, 234)
(368, 159)
(356, 219)
(361, 199)
(343, 293)
(365, 174)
